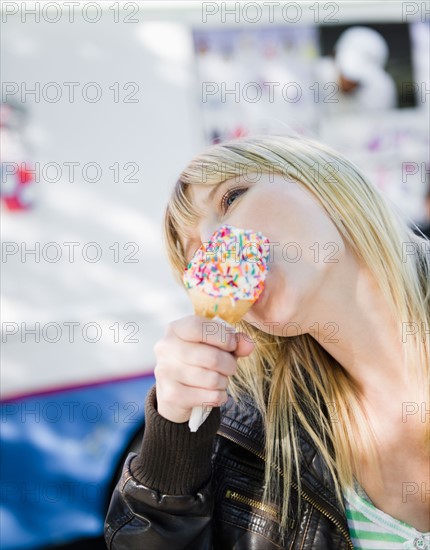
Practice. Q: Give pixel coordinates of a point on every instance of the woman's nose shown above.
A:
(207, 229)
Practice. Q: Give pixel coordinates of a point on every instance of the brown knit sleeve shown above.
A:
(172, 459)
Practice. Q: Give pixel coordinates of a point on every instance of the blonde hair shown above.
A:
(294, 379)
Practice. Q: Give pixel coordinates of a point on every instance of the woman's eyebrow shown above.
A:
(216, 187)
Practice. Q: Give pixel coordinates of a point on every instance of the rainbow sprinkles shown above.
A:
(234, 264)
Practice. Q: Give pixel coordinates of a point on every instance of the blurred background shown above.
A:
(103, 104)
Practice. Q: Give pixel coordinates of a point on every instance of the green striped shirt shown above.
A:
(373, 529)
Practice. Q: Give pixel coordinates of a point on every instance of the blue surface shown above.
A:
(59, 453)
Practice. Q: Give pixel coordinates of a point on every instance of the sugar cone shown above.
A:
(229, 310)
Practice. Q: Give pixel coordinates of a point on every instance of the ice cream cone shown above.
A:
(226, 285)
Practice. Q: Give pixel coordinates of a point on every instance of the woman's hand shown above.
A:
(194, 360)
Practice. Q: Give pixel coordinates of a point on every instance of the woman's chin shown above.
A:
(261, 314)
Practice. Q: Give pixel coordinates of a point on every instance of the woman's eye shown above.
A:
(230, 197)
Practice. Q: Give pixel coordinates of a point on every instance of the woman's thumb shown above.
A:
(245, 344)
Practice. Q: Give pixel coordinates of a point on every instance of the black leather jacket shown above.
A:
(227, 512)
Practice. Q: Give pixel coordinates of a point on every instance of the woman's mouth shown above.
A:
(260, 298)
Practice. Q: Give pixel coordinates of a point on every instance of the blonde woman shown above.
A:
(322, 439)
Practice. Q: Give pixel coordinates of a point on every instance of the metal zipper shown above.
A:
(305, 496)
(234, 495)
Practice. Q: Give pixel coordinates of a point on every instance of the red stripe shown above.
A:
(74, 387)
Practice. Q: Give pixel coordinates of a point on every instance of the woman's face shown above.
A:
(305, 245)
